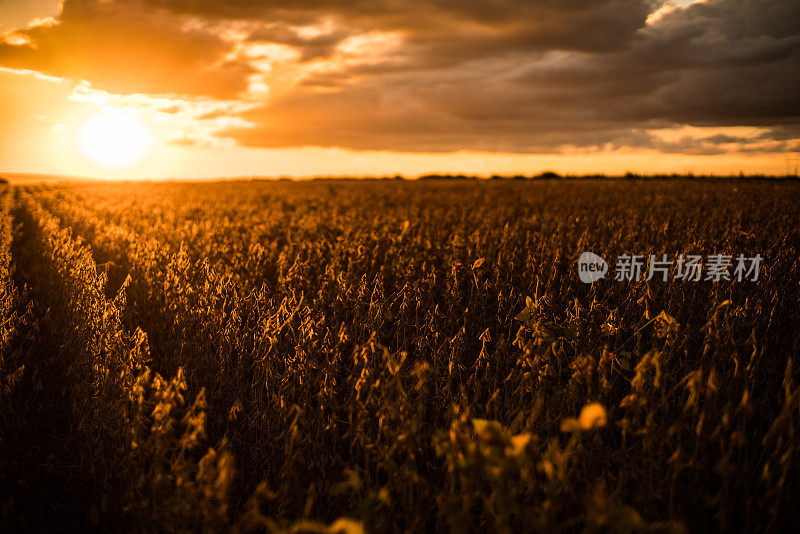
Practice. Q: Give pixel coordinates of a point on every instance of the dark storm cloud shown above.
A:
(494, 76)
(461, 29)
(506, 75)
(730, 62)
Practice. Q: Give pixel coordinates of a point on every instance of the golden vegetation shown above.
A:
(346, 356)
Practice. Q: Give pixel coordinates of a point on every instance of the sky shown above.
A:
(203, 88)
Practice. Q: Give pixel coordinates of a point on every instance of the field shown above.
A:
(379, 356)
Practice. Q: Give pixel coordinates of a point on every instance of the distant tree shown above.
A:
(548, 175)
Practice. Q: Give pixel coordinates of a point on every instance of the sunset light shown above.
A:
(354, 267)
(260, 88)
(114, 140)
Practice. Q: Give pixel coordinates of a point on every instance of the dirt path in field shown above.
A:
(43, 487)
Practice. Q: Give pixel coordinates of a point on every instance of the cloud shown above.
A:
(487, 78)
(460, 29)
(125, 48)
(192, 121)
(434, 75)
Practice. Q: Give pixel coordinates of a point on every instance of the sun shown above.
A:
(114, 139)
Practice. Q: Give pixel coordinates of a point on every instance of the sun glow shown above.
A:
(114, 139)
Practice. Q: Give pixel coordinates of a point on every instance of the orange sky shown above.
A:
(158, 88)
